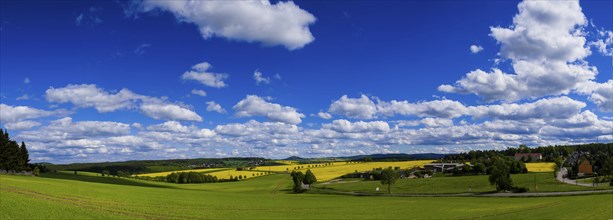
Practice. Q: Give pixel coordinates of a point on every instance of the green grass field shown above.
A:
(69, 196)
(455, 184)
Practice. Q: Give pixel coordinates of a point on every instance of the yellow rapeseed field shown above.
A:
(169, 172)
(337, 169)
(540, 167)
(228, 174)
(323, 171)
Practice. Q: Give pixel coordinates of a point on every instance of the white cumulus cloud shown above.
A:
(199, 92)
(475, 48)
(199, 73)
(168, 111)
(259, 78)
(89, 95)
(546, 46)
(281, 23)
(254, 105)
(362, 108)
(212, 106)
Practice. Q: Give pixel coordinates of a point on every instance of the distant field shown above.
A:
(286, 162)
(231, 173)
(69, 196)
(540, 167)
(545, 182)
(337, 169)
(193, 170)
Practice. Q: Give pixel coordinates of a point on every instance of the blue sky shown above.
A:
(106, 81)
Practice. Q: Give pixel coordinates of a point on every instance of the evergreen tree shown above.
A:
(24, 157)
(12, 157)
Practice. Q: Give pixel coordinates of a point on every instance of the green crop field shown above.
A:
(69, 196)
(545, 182)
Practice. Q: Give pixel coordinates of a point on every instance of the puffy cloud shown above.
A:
(604, 45)
(282, 23)
(345, 126)
(436, 108)
(167, 111)
(362, 108)
(253, 105)
(600, 94)
(584, 119)
(89, 95)
(171, 126)
(21, 125)
(11, 114)
(254, 127)
(544, 30)
(259, 78)
(198, 92)
(211, 106)
(365, 108)
(525, 127)
(26, 80)
(579, 133)
(491, 86)
(324, 115)
(546, 46)
(437, 122)
(199, 73)
(475, 48)
(560, 107)
(65, 128)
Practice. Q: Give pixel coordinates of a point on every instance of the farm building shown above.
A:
(585, 168)
(528, 157)
(442, 167)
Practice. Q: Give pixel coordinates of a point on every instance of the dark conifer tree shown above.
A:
(12, 157)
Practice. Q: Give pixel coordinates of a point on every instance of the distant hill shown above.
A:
(378, 157)
(295, 158)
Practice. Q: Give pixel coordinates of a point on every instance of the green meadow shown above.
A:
(88, 196)
(535, 182)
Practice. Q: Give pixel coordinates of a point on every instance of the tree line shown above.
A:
(13, 157)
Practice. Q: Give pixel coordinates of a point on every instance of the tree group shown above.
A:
(299, 178)
(12, 156)
(190, 177)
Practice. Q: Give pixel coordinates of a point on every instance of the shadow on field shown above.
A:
(100, 179)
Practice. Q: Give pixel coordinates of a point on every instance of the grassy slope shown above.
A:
(460, 184)
(65, 196)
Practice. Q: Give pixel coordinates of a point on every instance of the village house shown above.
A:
(585, 168)
(442, 167)
(528, 157)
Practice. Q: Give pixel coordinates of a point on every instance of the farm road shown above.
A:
(563, 172)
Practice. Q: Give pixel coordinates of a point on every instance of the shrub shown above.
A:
(520, 189)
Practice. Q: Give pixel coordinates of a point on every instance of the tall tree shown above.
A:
(309, 177)
(500, 175)
(12, 158)
(298, 178)
(389, 177)
(24, 157)
(4, 156)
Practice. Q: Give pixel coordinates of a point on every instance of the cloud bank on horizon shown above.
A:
(541, 89)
